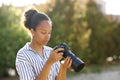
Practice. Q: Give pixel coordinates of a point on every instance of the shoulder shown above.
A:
(25, 49)
(22, 53)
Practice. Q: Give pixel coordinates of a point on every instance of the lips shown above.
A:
(45, 41)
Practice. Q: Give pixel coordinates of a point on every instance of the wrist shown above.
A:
(63, 67)
(49, 62)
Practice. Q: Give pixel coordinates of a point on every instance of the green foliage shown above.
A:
(68, 25)
(87, 31)
(12, 37)
(104, 38)
(62, 20)
(97, 24)
(112, 39)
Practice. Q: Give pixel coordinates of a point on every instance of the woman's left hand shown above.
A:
(67, 63)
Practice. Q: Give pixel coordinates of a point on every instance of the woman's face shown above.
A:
(42, 33)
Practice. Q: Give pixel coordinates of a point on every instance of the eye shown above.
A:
(43, 32)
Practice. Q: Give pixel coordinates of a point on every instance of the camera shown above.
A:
(77, 63)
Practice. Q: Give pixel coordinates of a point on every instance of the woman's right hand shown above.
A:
(55, 56)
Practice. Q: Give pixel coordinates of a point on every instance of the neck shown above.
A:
(38, 48)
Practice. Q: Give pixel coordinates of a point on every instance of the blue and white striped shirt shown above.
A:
(29, 63)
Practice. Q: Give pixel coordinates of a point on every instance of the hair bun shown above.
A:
(28, 16)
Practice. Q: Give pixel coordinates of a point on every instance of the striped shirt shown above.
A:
(29, 63)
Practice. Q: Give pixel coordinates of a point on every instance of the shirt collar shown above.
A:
(27, 46)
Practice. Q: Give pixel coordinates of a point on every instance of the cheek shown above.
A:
(45, 37)
(40, 36)
(49, 35)
(37, 36)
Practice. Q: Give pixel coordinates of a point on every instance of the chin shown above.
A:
(45, 43)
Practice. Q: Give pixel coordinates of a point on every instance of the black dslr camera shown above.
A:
(77, 64)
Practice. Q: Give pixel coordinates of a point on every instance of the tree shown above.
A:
(102, 42)
(12, 37)
(85, 29)
(68, 25)
(97, 23)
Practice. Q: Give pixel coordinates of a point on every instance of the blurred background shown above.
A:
(91, 28)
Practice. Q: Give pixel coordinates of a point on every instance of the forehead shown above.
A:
(45, 25)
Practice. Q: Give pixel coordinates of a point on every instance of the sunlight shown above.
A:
(20, 3)
(112, 7)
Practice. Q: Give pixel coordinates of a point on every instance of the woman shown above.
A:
(36, 61)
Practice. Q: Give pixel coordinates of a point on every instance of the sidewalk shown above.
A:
(110, 74)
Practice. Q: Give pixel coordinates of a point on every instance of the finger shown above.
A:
(59, 57)
(54, 51)
(71, 69)
(59, 49)
(70, 63)
(61, 54)
(67, 60)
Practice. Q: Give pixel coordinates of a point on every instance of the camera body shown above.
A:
(77, 63)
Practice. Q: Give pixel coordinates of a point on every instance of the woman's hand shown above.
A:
(55, 56)
(67, 63)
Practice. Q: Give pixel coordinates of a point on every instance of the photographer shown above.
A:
(36, 61)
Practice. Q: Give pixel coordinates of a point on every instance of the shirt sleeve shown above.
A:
(24, 69)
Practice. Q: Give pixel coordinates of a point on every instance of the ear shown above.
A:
(32, 31)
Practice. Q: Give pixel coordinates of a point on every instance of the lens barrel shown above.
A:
(77, 63)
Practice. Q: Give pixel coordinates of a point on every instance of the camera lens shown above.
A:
(77, 64)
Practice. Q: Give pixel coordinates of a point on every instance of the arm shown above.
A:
(63, 69)
(45, 71)
(26, 71)
(62, 73)
(24, 68)
(52, 59)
